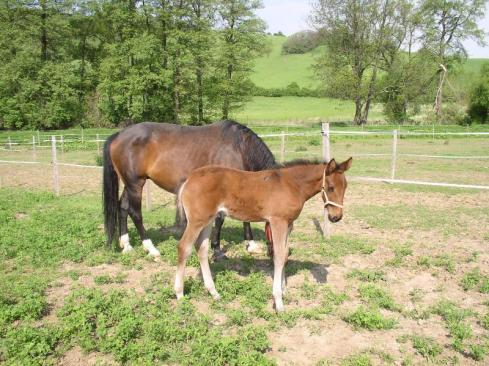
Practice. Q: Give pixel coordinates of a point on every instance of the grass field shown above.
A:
(403, 280)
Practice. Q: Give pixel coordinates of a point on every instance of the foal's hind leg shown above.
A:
(124, 210)
(184, 250)
(135, 193)
(202, 247)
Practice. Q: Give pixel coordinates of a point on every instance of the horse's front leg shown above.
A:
(218, 253)
(280, 253)
(202, 246)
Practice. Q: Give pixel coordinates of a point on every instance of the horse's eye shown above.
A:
(330, 189)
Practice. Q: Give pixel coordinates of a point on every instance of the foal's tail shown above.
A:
(110, 193)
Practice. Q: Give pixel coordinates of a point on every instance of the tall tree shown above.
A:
(242, 38)
(445, 25)
(361, 38)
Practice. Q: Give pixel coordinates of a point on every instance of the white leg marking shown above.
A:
(203, 253)
(277, 287)
(150, 248)
(124, 243)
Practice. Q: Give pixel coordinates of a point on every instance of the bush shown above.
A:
(300, 42)
(479, 98)
(291, 90)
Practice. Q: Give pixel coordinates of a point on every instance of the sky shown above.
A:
(290, 16)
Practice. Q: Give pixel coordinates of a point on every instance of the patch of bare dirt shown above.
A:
(76, 357)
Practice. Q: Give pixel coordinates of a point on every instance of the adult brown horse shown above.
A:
(167, 154)
(275, 196)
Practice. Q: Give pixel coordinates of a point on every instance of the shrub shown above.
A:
(300, 42)
(479, 97)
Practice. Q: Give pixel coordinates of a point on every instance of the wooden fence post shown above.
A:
(82, 137)
(34, 155)
(394, 154)
(282, 148)
(38, 138)
(62, 146)
(98, 144)
(327, 158)
(9, 143)
(148, 194)
(55, 166)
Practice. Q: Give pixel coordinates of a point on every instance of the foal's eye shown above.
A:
(330, 189)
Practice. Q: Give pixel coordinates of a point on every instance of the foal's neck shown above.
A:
(307, 178)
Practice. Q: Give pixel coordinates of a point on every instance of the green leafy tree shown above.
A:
(479, 97)
(242, 37)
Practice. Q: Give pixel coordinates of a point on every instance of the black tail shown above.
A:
(110, 193)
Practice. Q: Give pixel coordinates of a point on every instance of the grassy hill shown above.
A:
(275, 70)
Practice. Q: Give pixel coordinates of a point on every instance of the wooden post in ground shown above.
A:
(98, 144)
(327, 158)
(34, 154)
(82, 136)
(282, 147)
(54, 162)
(394, 154)
(9, 143)
(62, 146)
(148, 194)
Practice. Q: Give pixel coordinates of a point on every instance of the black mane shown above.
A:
(256, 154)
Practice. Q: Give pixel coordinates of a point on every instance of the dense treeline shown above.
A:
(101, 62)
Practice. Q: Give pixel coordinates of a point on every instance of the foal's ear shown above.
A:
(331, 167)
(344, 166)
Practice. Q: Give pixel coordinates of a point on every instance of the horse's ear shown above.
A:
(344, 166)
(331, 167)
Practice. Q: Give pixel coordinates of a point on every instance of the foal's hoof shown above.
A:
(219, 255)
(254, 248)
(216, 296)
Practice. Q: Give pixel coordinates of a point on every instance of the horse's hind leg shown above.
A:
(202, 247)
(134, 194)
(124, 210)
(184, 250)
(251, 246)
(216, 238)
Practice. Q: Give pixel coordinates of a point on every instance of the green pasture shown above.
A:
(276, 70)
(63, 291)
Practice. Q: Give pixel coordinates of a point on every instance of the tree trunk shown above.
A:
(439, 93)
(227, 102)
(200, 93)
(44, 37)
(358, 111)
(371, 89)
(176, 91)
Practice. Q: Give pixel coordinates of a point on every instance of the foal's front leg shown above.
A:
(280, 253)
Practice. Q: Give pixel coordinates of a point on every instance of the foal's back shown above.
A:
(243, 195)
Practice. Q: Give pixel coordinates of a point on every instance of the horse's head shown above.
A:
(334, 187)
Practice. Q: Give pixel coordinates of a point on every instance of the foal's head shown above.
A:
(334, 187)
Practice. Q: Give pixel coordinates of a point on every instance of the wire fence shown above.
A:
(46, 152)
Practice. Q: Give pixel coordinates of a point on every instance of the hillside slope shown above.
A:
(275, 70)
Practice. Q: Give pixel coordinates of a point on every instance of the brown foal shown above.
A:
(275, 196)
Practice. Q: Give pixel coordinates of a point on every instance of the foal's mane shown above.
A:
(298, 162)
(256, 154)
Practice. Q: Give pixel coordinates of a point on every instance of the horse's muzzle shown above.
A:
(335, 218)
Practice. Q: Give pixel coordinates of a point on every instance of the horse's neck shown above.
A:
(307, 178)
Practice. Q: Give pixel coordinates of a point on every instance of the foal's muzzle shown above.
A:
(335, 218)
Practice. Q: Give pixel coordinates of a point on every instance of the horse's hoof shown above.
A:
(127, 249)
(216, 296)
(254, 248)
(219, 255)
